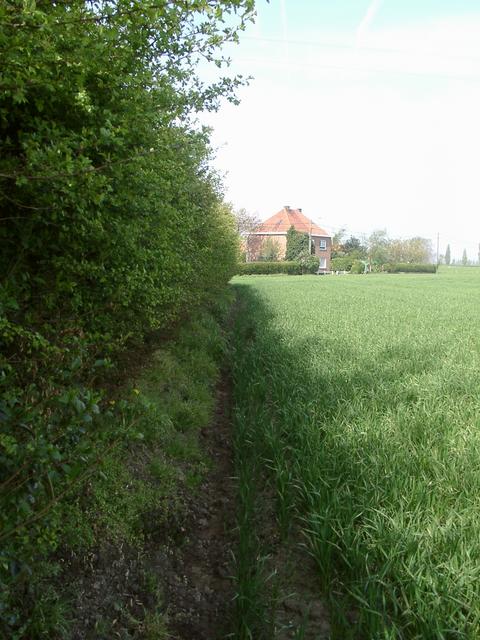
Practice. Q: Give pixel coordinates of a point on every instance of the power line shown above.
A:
(360, 49)
(307, 65)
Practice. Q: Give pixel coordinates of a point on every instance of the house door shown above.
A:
(323, 263)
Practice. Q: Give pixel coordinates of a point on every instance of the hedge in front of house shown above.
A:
(303, 265)
(264, 268)
(405, 267)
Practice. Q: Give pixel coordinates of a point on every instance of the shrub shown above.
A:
(265, 268)
(405, 267)
(358, 267)
(309, 263)
(343, 263)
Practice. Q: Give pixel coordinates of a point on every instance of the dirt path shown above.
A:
(191, 563)
(198, 586)
(183, 570)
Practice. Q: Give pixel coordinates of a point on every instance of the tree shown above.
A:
(337, 246)
(246, 222)
(448, 256)
(270, 250)
(396, 251)
(297, 244)
(354, 246)
(464, 258)
(417, 250)
(378, 247)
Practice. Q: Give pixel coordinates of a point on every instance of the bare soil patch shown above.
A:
(182, 572)
(198, 584)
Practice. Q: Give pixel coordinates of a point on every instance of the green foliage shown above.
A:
(140, 482)
(358, 267)
(383, 250)
(378, 247)
(307, 264)
(354, 246)
(380, 250)
(270, 250)
(112, 227)
(297, 244)
(343, 263)
(252, 268)
(415, 250)
(410, 268)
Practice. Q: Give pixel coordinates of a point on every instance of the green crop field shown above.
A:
(362, 395)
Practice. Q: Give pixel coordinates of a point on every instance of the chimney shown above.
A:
(287, 207)
(300, 209)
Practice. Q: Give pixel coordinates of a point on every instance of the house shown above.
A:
(276, 227)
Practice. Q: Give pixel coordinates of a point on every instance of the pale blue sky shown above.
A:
(365, 113)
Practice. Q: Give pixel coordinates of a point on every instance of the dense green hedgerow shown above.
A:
(406, 267)
(286, 267)
(111, 226)
(346, 263)
(265, 268)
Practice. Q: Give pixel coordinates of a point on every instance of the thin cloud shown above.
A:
(368, 18)
(283, 17)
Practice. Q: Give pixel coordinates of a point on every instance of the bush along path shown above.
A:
(112, 228)
(146, 544)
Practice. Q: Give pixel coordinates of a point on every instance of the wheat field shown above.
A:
(362, 395)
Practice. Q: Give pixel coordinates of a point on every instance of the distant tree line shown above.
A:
(377, 250)
(465, 261)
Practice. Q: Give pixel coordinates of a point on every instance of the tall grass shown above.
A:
(362, 396)
(252, 619)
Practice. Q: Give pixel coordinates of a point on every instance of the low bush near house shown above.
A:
(405, 267)
(344, 263)
(291, 268)
(265, 268)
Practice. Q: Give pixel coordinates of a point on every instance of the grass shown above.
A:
(137, 499)
(361, 396)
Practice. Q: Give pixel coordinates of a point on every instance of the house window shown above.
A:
(323, 244)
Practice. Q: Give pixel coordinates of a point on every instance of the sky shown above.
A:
(364, 113)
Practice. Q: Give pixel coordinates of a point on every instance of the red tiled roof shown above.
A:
(287, 217)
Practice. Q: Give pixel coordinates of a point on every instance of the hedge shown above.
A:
(290, 268)
(113, 227)
(405, 267)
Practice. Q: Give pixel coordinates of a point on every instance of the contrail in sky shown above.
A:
(368, 18)
(283, 16)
